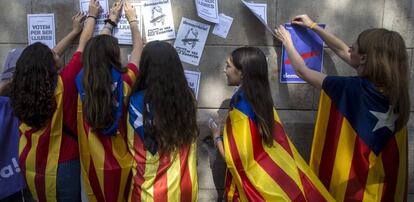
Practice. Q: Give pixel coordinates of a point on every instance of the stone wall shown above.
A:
(296, 103)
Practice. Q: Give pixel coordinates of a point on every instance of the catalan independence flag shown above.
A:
(39, 152)
(356, 152)
(159, 177)
(105, 159)
(257, 172)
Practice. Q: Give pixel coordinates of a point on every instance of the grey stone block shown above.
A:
(209, 195)
(245, 30)
(411, 154)
(399, 17)
(63, 10)
(345, 23)
(411, 87)
(14, 23)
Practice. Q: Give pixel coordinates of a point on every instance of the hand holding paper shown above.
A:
(303, 20)
(283, 36)
(130, 12)
(77, 22)
(94, 8)
(115, 11)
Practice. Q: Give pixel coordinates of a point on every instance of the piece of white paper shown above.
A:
(260, 11)
(158, 20)
(41, 28)
(191, 38)
(208, 10)
(103, 14)
(223, 28)
(193, 80)
(123, 31)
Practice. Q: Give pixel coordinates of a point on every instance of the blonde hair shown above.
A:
(387, 68)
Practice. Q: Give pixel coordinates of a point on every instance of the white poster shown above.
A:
(208, 10)
(41, 28)
(123, 31)
(191, 38)
(260, 11)
(158, 20)
(193, 80)
(84, 7)
(223, 28)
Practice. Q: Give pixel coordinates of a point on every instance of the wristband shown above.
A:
(313, 25)
(111, 22)
(217, 139)
(91, 16)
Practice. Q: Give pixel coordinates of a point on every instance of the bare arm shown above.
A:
(334, 43)
(113, 16)
(136, 35)
(217, 138)
(89, 26)
(63, 44)
(311, 76)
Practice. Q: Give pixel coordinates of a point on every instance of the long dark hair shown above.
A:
(252, 63)
(387, 68)
(33, 86)
(100, 56)
(172, 102)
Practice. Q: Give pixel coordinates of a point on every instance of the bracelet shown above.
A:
(313, 25)
(217, 139)
(111, 22)
(108, 27)
(91, 16)
(133, 21)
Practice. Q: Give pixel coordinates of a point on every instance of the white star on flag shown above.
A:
(386, 119)
(138, 120)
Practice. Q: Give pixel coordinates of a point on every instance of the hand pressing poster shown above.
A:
(191, 38)
(193, 79)
(123, 31)
(310, 48)
(41, 28)
(103, 14)
(208, 10)
(158, 20)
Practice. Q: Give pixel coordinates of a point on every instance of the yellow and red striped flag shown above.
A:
(257, 172)
(106, 162)
(39, 152)
(159, 176)
(355, 152)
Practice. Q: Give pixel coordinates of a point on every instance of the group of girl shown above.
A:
(92, 124)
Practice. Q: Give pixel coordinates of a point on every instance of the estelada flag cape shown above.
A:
(105, 159)
(356, 151)
(258, 172)
(159, 176)
(39, 151)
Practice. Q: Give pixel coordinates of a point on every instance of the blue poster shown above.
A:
(310, 47)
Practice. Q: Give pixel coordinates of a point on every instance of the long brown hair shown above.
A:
(172, 102)
(253, 64)
(32, 90)
(100, 56)
(387, 68)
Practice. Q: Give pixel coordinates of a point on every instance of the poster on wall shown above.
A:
(310, 48)
(260, 11)
(123, 31)
(223, 27)
(103, 14)
(193, 80)
(41, 28)
(158, 20)
(208, 10)
(191, 38)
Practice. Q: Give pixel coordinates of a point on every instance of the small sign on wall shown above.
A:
(41, 28)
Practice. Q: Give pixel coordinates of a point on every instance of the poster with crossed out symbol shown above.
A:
(190, 41)
(158, 20)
